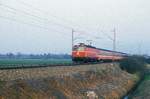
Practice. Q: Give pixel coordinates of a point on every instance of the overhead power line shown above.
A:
(45, 19)
(61, 19)
(41, 11)
(13, 11)
(109, 37)
(51, 15)
(29, 14)
(31, 24)
(106, 35)
(12, 19)
(27, 23)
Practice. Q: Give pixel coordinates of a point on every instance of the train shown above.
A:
(87, 53)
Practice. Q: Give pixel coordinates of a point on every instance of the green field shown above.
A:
(32, 62)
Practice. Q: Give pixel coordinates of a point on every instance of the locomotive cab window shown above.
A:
(75, 48)
(81, 48)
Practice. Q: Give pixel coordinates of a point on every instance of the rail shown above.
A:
(24, 66)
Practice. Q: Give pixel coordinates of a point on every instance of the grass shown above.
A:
(28, 62)
(147, 77)
(148, 66)
(142, 92)
(136, 76)
(1, 84)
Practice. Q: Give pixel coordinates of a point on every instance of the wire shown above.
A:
(16, 10)
(26, 13)
(104, 33)
(8, 18)
(41, 11)
(109, 37)
(12, 11)
(64, 20)
(45, 19)
(22, 22)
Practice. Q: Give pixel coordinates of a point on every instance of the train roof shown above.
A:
(82, 44)
(104, 49)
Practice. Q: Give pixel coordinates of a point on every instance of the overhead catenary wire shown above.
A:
(59, 18)
(29, 14)
(31, 24)
(41, 11)
(14, 11)
(39, 18)
(48, 14)
(45, 19)
(109, 37)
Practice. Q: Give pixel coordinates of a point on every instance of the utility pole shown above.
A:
(139, 48)
(72, 39)
(114, 40)
(114, 43)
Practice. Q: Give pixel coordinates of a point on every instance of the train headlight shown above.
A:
(78, 53)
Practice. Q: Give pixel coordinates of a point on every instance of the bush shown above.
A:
(133, 64)
(148, 60)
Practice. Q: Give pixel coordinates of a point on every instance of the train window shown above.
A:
(81, 49)
(75, 48)
(106, 53)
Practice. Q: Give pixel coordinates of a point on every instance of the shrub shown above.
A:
(133, 64)
(148, 60)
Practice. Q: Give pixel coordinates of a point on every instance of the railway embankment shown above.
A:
(44, 72)
(97, 81)
(142, 91)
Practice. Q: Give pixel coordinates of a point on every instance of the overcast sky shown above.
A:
(42, 26)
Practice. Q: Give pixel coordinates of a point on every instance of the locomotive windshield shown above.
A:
(78, 48)
(75, 48)
(81, 48)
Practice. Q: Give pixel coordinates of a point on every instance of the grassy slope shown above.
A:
(107, 81)
(143, 90)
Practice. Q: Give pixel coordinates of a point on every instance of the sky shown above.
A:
(45, 26)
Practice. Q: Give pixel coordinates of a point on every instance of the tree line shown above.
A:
(34, 56)
(135, 63)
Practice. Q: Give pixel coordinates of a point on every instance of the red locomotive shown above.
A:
(87, 53)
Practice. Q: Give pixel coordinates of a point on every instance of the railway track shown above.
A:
(22, 66)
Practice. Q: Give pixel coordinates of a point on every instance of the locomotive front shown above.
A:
(84, 53)
(78, 53)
